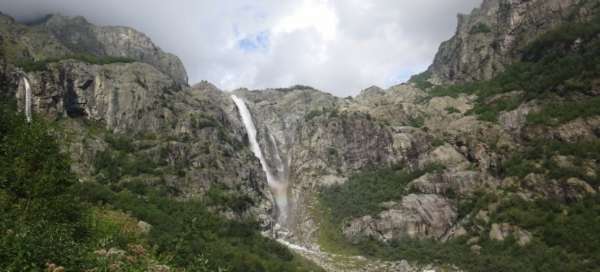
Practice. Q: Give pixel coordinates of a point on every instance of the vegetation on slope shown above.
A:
(41, 221)
(363, 192)
(562, 64)
(50, 220)
(560, 71)
(41, 65)
(565, 235)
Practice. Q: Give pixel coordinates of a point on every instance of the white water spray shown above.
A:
(278, 187)
(27, 99)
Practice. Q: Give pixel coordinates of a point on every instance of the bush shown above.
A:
(363, 193)
(548, 69)
(42, 65)
(41, 220)
(200, 121)
(186, 230)
(556, 113)
(565, 236)
(452, 110)
(421, 80)
(481, 28)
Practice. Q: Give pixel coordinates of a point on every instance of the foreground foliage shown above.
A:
(50, 220)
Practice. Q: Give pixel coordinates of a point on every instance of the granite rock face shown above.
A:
(491, 37)
(191, 136)
(415, 217)
(79, 36)
(194, 135)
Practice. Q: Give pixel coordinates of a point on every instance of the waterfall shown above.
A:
(27, 99)
(278, 187)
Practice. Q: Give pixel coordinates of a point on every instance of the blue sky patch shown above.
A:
(255, 43)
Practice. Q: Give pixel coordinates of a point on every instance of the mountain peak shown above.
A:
(82, 37)
(490, 37)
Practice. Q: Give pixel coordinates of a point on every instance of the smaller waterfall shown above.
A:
(27, 99)
(278, 187)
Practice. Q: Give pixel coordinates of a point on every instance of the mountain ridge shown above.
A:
(464, 164)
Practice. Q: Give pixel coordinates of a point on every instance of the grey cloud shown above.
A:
(365, 43)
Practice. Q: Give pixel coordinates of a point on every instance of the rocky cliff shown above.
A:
(79, 36)
(447, 162)
(192, 136)
(493, 35)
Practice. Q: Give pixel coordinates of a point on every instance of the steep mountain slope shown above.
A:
(496, 169)
(79, 36)
(139, 139)
(492, 36)
(384, 172)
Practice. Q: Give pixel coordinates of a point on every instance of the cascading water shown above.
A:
(27, 99)
(278, 186)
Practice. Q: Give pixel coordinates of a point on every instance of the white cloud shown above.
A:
(340, 46)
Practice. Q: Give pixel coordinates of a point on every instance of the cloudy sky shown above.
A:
(339, 46)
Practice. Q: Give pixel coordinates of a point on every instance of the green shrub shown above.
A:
(421, 80)
(40, 221)
(481, 28)
(452, 110)
(30, 65)
(186, 230)
(565, 236)
(120, 142)
(363, 193)
(547, 69)
(200, 121)
(556, 113)
(417, 122)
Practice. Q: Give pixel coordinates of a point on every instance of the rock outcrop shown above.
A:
(415, 217)
(196, 140)
(491, 37)
(192, 136)
(81, 37)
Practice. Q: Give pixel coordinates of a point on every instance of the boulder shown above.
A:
(444, 155)
(416, 217)
(144, 227)
(500, 232)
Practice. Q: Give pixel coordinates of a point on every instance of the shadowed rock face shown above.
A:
(491, 36)
(196, 129)
(82, 37)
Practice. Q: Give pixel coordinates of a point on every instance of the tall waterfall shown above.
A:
(27, 99)
(278, 186)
